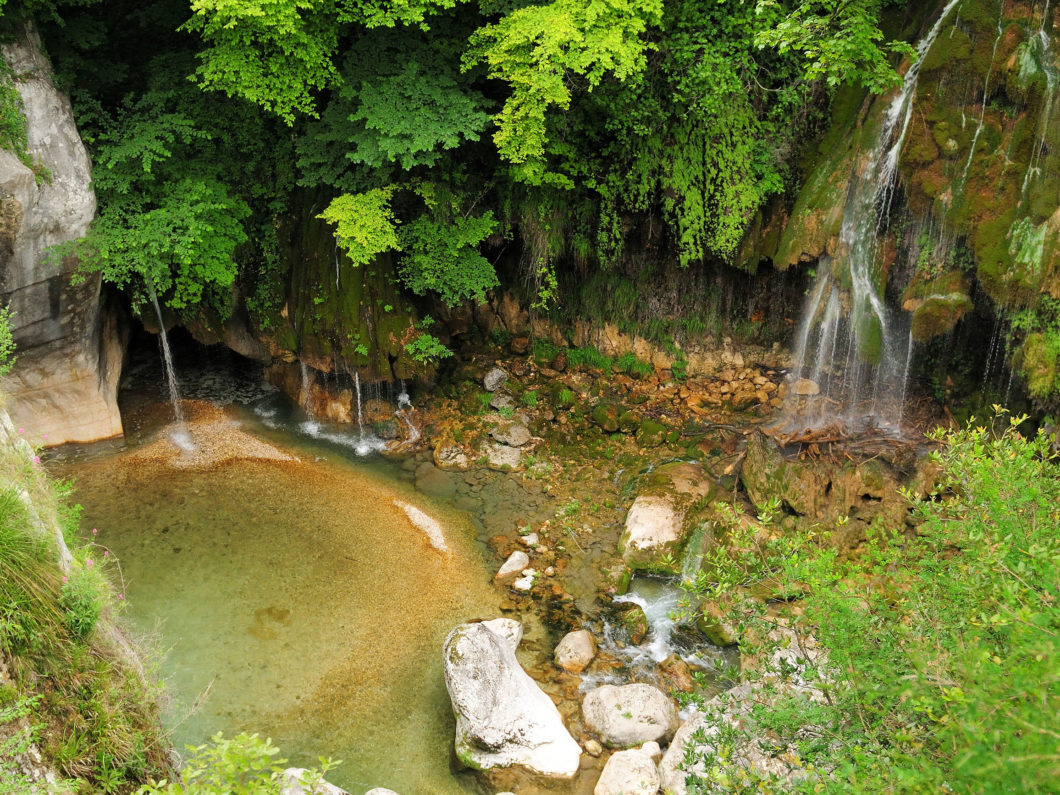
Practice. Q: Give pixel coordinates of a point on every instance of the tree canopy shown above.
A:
(558, 125)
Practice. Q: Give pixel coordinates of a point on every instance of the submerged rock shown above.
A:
(630, 772)
(503, 719)
(629, 715)
(575, 651)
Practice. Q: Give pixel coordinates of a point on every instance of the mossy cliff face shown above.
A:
(337, 317)
(979, 174)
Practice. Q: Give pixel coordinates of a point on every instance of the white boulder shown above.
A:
(628, 715)
(503, 719)
(630, 772)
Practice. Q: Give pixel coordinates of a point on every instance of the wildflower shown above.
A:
(36, 460)
(66, 579)
(88, 563)
(106, 553)
(95, 530)
(121, 596)
(21, 429)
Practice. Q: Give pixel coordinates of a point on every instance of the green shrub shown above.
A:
(82, 599)
(427, 348)
(243, 765)
(942, 642)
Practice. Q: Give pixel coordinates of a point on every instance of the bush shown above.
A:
(243, 765)
(942, 642)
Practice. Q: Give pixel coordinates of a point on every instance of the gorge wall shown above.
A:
(64, 387)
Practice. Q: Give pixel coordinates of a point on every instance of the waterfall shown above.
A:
(986, 95)
(180, 433)
(850, 360)
(360, 410)
(307, 389)
(1040, 46)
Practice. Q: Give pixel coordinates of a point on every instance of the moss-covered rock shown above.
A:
(651, 433)
(605, 416)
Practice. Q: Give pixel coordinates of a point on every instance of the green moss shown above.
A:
(651, 433)
(870, 338)
(938, 314)
(1039, 362)
(605, 416)
(947, 50)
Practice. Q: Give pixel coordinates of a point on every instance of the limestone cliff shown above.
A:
(64, 385)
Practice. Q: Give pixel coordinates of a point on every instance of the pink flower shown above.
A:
(88, 563)
(66, 579)
(21, 429)
(44, 436)
(121, 596)
(36, 460)
(106, 553)
(95, 530)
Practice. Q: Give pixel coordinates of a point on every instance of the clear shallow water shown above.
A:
(295, 600)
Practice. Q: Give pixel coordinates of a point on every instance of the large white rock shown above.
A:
(64, 385)
(575, 651)
(503, 719)
(627, 715)
(630, 772)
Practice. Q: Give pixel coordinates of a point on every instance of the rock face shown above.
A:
(503, 719)
(64, 384)
(823, 489)
(629, 715)
(629, 773)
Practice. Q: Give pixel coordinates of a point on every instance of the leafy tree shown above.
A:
(364, 224)
(442, 256)
(540, 49)
(840, 40)
(277, 53)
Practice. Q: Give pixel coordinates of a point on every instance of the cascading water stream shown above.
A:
(850, 360)
(1040, 49)
(307, 391)
(180, 435)
(986, 97)
(405, 402)
(360, 410)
